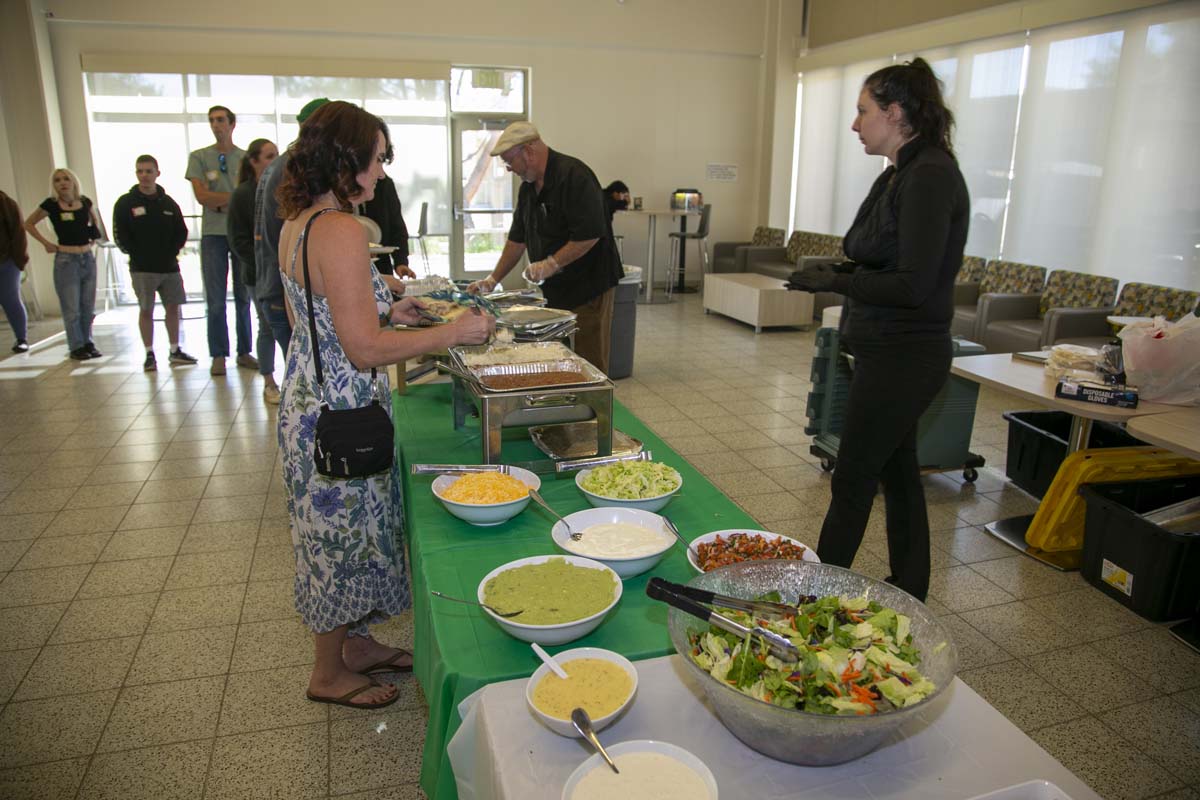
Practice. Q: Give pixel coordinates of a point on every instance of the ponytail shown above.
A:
(917, 90)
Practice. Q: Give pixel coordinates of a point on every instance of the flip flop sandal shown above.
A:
(345, 699)
(387, 665)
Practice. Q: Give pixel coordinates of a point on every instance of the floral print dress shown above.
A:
(350, 561)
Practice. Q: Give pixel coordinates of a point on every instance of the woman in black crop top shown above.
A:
(905, 248)
(77, 226)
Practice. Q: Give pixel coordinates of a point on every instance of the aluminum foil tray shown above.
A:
(522, 317)
(590, 373)
(578, 440)
(474, 353)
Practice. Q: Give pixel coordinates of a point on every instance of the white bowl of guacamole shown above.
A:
(562, 598)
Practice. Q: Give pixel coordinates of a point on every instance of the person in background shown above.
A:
(148, 226)
(213, 173)
(385, 211)
(616, 198)
(77, 226)
(905, 249)
(348, 534)
(560, 221)
(14, 255)
(268, 285)
(259, 154)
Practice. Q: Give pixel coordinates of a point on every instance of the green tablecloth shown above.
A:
(459, 649)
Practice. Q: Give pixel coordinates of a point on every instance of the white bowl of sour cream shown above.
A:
(650, 770)
(628, 541)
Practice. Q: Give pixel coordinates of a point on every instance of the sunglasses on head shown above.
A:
(222, 162)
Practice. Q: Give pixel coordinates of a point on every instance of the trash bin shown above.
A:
(1144, 564)
(624, 324)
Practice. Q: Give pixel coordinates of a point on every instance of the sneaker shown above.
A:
(247, 361)
(80, 354)
(180, 357)
(149, 365)
(218, 367)
(21, 346)
(92, 351)
(271, 395)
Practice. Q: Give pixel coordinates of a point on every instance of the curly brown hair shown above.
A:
(335, 144)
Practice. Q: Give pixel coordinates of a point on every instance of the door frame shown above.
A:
(460, 122)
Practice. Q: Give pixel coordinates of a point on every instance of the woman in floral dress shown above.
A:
(347, 534)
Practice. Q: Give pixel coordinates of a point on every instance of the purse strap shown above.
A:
(308, 295)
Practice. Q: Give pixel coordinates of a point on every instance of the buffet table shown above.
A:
(959, 748)
(458, 649)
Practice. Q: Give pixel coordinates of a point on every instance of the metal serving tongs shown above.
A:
(459, 469)
(685, 599)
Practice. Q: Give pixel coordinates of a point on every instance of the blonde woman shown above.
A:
(77, 226)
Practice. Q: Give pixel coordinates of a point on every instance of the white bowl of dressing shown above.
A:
(628, 541)
(656, 771)
(563, 727)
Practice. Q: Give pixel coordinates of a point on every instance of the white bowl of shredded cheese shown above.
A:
(628, 541)
(488, 497)
(650, 770)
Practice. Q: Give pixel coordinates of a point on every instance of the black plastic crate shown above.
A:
(1037, 445)
(1137, 562)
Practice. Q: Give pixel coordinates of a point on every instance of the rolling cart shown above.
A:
(943, 434)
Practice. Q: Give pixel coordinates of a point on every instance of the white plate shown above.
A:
(1030, 790)
(809, 553)
(644, 746)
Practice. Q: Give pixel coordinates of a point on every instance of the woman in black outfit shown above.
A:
(905, 248)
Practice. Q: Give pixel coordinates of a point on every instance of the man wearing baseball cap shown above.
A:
(560, 222)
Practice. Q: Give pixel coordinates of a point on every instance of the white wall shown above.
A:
(649, 92)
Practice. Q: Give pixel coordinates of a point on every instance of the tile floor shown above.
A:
(148, 648)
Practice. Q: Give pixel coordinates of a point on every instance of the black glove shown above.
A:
(818, 277)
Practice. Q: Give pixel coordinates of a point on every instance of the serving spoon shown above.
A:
(575, 535)
(583, 724)
(476, 603)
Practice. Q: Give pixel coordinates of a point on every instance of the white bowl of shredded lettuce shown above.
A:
(647, 485)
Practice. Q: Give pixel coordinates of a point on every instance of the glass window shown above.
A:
(484, 90)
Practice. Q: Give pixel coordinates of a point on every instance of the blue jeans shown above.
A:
(10, 299)
(264, 344)
(75, 282)
(215, 256)
(276, 314)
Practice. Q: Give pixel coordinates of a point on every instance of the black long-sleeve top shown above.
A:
(240, 228)
(149, 228)
(907, 242)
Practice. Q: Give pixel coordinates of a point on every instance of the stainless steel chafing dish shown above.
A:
(590, 399)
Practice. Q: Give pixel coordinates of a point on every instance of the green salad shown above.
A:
(631, 480)
(856, 657)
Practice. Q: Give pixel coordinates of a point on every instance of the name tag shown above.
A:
(168, 213)
(211, 174)
(67, 216)
(139, 211)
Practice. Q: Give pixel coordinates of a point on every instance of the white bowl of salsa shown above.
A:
(810, 554)
(600, 692)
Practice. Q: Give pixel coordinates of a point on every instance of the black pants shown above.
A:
(893, 384)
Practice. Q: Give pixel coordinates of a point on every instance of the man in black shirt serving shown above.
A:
(560, 220)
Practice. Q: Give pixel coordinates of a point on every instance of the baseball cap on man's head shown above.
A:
(309, 108)
(515, 134)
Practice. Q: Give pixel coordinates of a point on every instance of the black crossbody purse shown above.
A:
(350, 442)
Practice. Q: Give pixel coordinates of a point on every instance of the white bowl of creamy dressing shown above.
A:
(650, 770)
(588, 689)
(628, 541)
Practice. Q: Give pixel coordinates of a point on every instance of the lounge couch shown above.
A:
(1090, 326)
(731, 256)
(1000, 279)
(1012, 323)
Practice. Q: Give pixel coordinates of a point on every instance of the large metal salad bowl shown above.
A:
(801, 737)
